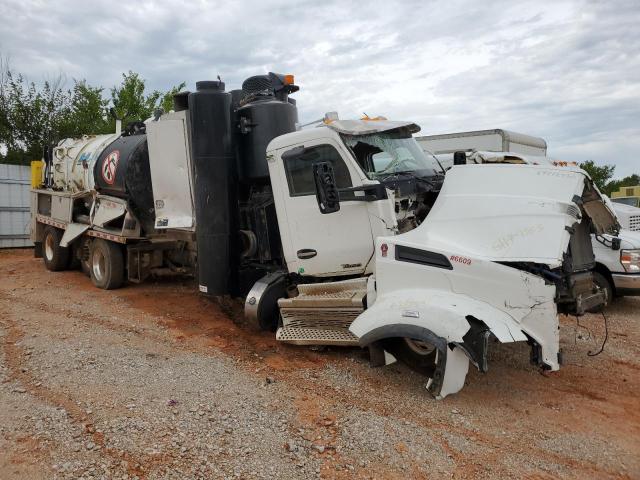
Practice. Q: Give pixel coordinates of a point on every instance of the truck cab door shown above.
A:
(338, 243)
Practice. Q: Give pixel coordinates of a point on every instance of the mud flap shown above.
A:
(450, 374)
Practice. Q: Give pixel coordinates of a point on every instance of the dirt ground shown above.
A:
(154, 381)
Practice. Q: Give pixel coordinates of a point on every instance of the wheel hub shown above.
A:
(98, 263)
(49, 247)
(420, 347)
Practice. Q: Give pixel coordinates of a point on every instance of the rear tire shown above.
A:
(56, 258)
(605, 285)
(418, 355)
(74, 259)
(107, 265)
(84, 255)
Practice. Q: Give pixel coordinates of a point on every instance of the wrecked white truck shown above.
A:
(341, 234)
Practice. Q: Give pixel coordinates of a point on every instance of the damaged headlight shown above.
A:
(630, 260)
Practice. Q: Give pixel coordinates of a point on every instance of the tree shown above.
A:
(167, 100)
(629, 181)
(89, 111)
(32, 116)
(599, 174)
(131, 103)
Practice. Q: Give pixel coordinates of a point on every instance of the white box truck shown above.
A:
(495, 140)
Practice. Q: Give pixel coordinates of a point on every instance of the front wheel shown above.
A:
(418, 355)
(605, 285)
(107, 265)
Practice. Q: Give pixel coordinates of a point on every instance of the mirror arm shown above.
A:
(371, 193)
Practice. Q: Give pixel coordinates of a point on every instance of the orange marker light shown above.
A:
(288, 79)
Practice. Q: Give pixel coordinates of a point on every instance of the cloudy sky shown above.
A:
(568, 71)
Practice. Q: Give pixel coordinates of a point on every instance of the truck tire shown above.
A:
(605, 285)
(419, 356)
(74, 259)
(85, 256)
(55, 257)
(107, 265)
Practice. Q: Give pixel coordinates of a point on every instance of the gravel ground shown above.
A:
(154, 381)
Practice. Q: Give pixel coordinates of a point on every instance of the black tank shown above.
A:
(122, 171)
(265, 112)
(212, 157)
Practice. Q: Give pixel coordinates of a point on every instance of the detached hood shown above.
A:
(511, 213)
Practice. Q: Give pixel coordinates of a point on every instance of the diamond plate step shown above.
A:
(316, 336)
(322, 313)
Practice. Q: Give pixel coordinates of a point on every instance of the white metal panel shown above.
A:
(73, 231)
(496, 140)
(15, 183)
(502, 213)
(171, 171)
(491, 142)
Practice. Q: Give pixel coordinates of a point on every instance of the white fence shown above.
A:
(15, 183)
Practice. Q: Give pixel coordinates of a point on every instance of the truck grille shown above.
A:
(634, 223)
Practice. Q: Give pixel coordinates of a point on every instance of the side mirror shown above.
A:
(326, 189)
(459, 158)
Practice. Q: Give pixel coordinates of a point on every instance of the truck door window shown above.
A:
(299, 169)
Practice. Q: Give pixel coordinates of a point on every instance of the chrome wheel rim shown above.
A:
(98, 263)
(49, 247)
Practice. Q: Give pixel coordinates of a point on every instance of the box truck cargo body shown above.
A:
(495, 140)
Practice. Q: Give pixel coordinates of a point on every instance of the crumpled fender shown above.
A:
(439, 318)
(438, 311)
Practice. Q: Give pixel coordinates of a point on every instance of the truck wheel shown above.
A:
(84, 255)
(604, 284)
(55, 257)
(418, 355)
(107, 265)
(74, 259)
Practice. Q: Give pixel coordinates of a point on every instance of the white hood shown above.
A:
(509, 213)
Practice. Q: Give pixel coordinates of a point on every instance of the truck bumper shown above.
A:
(626, 283)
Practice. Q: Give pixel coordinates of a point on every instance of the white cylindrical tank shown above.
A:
(73, 161)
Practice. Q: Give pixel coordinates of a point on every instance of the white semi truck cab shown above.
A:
(342, 234)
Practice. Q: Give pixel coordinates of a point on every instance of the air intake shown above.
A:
(257, 84)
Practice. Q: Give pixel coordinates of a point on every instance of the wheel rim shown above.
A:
(420, 347)
(98, 263)
(49, 247)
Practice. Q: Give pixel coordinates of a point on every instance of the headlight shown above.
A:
(630, 260)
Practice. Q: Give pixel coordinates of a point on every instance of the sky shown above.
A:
(567, 71)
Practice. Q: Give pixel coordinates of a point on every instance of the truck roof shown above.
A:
(348, 127)
(369, 126)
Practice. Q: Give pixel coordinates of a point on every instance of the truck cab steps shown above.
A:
(322, 313)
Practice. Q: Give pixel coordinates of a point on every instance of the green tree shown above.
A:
(89, 111)
(600, 174)
(167, 99)
(32, 116)
(629, 181)
(131, 103)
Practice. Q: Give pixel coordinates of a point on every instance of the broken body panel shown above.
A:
(456, 273)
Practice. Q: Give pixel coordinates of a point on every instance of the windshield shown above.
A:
(626, 201)
(384, 154)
